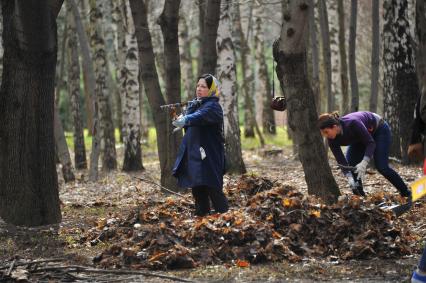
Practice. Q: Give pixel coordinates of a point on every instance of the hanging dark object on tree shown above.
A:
(278, 103)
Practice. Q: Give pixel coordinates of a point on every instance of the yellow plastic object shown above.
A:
(418, 188)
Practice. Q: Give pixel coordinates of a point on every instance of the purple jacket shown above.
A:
(357, 127)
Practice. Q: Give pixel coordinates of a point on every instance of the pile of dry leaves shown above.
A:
(268, 222)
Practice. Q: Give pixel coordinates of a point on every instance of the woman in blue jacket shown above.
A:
(367, 135)
(200, 161)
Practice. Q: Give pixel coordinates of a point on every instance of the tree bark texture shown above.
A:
(226, 70)
(375, 55)
(186, 56)
(28, 180)
(326, 54)
(421, 39)
(90, 82)
(62, 148)
(343, 58)
(313, 40)
(208, 38)
(302, 115)
(400, 80)
(352, 63)
(74, 91)
(168, 21)
(264, 89)
(333, 22)
(153, 90)
(107, 131)
(117, 21)
(129, 82)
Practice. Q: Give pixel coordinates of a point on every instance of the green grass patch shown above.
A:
(150, 144)
(280, 139)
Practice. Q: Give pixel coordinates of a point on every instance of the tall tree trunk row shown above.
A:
(226, 69)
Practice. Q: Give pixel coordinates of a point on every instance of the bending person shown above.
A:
(200, 161)
(367, 135)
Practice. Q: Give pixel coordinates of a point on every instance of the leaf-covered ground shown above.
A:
(273, 232)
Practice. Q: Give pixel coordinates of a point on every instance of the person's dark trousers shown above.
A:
(422, 263)
(203, 195)
(202, 202)
(383, 138)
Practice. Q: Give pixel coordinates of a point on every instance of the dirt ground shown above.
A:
(117, 193)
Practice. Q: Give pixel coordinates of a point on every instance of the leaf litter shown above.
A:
(269, 222)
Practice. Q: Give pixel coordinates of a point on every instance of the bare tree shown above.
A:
(129, 82)
(166, 151)
(375, 55)
(400, 80)
(421, 38)
(208, 49)
(352, 64)
(107, 131)
(290, 54)
(185, 49)
(226, 70)
(343, 59)
(28, 178)
(264, 89)
(91, 86)
(74, 90)
(315, 55)
(326, 54)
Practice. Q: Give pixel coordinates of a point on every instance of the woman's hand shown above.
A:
(361, 168)
(179, 122)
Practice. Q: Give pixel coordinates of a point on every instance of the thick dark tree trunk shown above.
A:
(208, 40)
(153, 91)
(400, 79)
(28, 180)
(290, 54)
(168, 21)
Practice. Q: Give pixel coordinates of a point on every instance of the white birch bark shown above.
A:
(109, 156)
(334, 48)
(130, 94)
(226, 70)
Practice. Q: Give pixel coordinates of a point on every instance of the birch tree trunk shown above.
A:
(333, 21)
(153, 91)
(87, 76)
(130, 94)
(352, 63)
(343, 58)
(28, 179)
(226, 70)
(74, 91)
(375, 55)
(62, 151)
(185, 51)
(263, 83)
(326, 54)
(302, 116)
(109, 156)
(91, 86)
(400, 80)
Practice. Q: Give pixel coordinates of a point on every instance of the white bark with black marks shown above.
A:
(226, 72)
